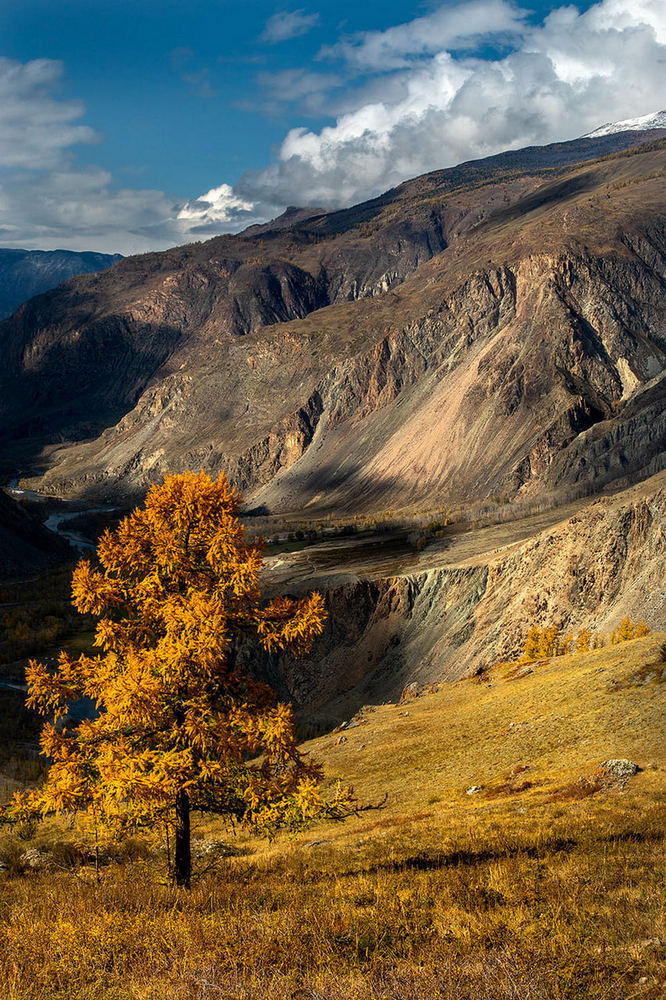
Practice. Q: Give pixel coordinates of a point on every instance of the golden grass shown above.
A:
(511, 892)
(562, 719)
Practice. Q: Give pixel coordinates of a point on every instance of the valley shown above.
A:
(333, 501)
(464, 422)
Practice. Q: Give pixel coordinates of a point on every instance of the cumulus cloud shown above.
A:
(219, 207)
(421, 98)
(558, 80)
(288, 24)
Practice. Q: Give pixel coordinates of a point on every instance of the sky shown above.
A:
(134, 125)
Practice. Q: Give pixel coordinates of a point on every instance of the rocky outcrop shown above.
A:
(452, 621)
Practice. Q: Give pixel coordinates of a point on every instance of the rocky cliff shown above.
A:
(497, 328)
(453, 618)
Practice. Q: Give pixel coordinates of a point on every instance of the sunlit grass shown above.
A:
(517, 891)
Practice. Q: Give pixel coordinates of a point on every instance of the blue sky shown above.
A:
(136, 124)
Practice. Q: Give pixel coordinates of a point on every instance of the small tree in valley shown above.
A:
(178, 725)
(584, 640)
(532, 646)
(641, 629)
(625, 632)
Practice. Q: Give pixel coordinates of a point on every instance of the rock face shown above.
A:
(452, 620)
(493, 329)
(25, 273)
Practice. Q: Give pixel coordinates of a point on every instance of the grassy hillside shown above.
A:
(548, 883)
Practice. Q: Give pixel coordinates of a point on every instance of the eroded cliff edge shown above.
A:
(451, 619)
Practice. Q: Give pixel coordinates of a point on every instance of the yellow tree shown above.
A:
(178, 726)
(565, 645)
(625, 631)
(584, 640)
(549, 642)
(641, 629)
(532, 644)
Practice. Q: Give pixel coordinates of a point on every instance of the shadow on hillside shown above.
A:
(80, 385)
(452, 859)
(546, 195)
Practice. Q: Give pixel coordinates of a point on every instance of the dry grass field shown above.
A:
(547, 883)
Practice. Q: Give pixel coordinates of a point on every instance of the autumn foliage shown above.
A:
(178, 726)
(542, 643)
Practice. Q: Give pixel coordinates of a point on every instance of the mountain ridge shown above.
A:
(221, 353)
(26, 273)
(651, 121)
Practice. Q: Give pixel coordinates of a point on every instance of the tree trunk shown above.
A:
(183, 859)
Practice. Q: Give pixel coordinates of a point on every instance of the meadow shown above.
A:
(547, 882)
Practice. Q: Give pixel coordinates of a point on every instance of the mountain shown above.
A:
(493, 330)
(656, 120)
(24, 273)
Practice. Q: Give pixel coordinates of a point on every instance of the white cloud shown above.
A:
(79, 209)
(560, 80)
(288, 24)
(218, 206)
(432, 109)
(35, 128)
(446, 28)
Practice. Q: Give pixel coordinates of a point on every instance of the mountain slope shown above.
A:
(451, 338)
(656, 120)
(25, 273)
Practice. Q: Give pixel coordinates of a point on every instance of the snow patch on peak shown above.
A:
(655, 120)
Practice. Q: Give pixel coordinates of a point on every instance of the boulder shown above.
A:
(36, 860)
(617, 771)
(413, 690)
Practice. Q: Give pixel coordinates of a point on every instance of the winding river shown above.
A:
(56, 520)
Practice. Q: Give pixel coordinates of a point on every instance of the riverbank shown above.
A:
(74, 521)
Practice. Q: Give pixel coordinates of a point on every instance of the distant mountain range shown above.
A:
(24, 273)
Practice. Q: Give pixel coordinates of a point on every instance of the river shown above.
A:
(57, 519)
